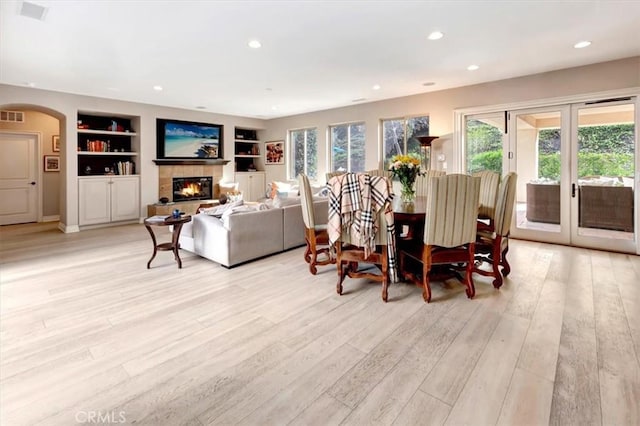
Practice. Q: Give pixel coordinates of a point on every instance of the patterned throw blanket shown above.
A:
(354, 203)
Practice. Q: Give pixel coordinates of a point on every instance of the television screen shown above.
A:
(188, 139)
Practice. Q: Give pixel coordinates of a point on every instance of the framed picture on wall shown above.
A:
(56, 143)
(51, 163)
(274, 152)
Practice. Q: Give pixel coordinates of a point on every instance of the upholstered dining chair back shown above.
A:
(492, 245)
(452, 210)
(504, 204)
(489, 182)
(306, 199)
(378, 172)
(315, 235)
(329, 175)
(421, 181)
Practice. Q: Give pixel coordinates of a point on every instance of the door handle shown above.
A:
(573, 190)
(32, 183)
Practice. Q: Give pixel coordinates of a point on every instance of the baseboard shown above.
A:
(53, 218)
(68, 229)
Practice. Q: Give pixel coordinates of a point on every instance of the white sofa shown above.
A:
(245, 236)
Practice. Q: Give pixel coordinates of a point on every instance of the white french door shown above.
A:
(603, 175)
(539, 151)
(576, 167)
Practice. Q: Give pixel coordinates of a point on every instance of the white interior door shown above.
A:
(18, 178)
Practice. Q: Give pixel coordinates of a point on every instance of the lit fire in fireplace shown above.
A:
(191, 189)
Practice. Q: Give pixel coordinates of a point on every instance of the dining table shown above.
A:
(409, 218)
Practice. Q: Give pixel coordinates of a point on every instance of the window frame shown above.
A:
(330, 139)
(291, 170)
(405, 119)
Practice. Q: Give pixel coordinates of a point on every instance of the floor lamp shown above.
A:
(425, 150)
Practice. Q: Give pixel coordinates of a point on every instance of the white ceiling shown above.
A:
(315, 55)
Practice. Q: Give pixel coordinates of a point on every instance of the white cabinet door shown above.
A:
(125, 198)
(251, 184)
(108, 199)
(257, 186)
(94, 200)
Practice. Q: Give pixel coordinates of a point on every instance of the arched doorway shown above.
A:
(32, 177)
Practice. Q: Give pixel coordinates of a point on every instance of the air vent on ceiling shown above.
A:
(32, 10)
(12, 116)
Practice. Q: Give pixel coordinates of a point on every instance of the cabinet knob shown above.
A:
(32, 183)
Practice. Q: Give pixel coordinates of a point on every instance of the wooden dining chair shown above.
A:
(489, 181)
(492, 246)
(350, 249)
(421, 181)
(316, 236)
(449, 231)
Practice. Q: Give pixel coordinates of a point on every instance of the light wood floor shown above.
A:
(87, 331)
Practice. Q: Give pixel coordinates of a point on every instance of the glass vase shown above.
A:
(408, 193)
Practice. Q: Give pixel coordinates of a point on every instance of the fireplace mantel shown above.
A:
(190, 162)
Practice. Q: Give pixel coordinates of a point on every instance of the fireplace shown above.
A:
(192, 188)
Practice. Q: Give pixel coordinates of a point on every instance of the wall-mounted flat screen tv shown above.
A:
(178, 139)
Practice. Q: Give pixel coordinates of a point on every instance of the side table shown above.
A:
(174, 245)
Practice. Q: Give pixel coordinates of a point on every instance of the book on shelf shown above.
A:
(125, 168)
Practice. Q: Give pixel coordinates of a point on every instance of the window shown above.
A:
(483, 138)
(347, 147)
(304, 152)
(398, 136)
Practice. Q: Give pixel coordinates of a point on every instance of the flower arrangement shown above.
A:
(406, 168)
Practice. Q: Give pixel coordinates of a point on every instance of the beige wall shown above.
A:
(45, 126)
(440, 107)
(65, 107)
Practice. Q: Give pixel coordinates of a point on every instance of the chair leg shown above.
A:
(471, 290)
(497, 282)
(426, 269)
(307, 251)
(341, 271)
(385, 275)
(506, 268)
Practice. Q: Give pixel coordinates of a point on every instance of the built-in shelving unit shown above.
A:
(248, 164)
(107, 145)
(247, 150)
(108, 180)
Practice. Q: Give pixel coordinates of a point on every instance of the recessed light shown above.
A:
(359, 100)
(255, 44)
(428, 83)
(157, 88)
(436, 35)
(582, 44)
(274, 108)
(29, 84)
(113, 89)
(268, 89)
(472, 67)
(376, 87)
(32, 10)
(201, 107)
